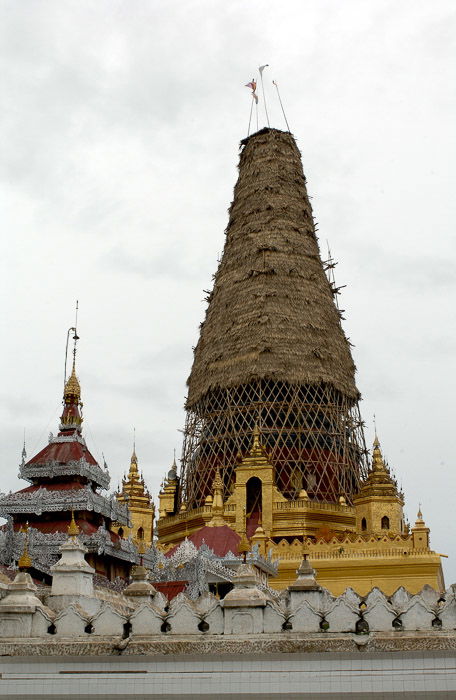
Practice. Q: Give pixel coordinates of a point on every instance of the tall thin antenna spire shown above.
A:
(281, 105)
(75, 337)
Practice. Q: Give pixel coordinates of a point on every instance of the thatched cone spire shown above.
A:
(271, 335)
(271, 313)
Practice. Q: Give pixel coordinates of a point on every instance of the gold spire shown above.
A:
(133, 484)
(73, 529)
(379, 481)
(377, 459)
(257, 448)
(133, 465)
(72, 387)
(71, 417)
(217, 507)
(134, 459)
(25, 561)
(419, 517)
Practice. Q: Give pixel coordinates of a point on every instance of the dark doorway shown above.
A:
(254, 504)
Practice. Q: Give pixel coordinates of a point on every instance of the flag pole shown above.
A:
(283, 111)
(257, 114)
(261, 69)
(250, 117)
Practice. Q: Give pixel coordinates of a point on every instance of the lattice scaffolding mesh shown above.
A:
(313, 436)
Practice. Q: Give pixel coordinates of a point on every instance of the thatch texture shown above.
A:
(271, 314)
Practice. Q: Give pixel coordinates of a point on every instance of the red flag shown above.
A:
(252, 85)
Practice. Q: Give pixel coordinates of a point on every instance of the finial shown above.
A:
(75, 338)
(376, 441)
(25, 561)
(419, 515)
(71, 388)
(73, 529)
(24, 451)
(134, 459)
(217, 484)
(217, 506)
(377, 458)
(257, 450)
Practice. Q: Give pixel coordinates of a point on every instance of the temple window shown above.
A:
(385, 523)
(363, 524)
(140, 534)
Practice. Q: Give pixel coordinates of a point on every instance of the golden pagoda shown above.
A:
(140, 506)
(272, 404)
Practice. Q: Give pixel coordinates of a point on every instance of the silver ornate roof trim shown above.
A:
(44, 548)
(42, 500)
(52, 468)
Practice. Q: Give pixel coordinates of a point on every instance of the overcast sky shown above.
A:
(120, 124)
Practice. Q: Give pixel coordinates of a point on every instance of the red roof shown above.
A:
(220, 539)
(85, 526)
(63, 452)
(170, 588)
(60, 486)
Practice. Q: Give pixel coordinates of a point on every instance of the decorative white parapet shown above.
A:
(244, 604)
(22, 614)
(78, 612)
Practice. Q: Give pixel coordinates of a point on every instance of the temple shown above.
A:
(284, 565)
(135, 495)
(272, 403)
(65, 478)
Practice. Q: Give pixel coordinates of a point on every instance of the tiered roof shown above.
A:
(65, 477)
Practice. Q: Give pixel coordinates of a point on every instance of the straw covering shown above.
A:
(272, 354)
(271, 313)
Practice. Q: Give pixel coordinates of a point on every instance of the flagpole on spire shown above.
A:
(281, 105)
(252, 85)
(250, 116)
(261, 69)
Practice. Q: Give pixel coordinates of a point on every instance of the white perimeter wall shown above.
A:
(408, 674)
